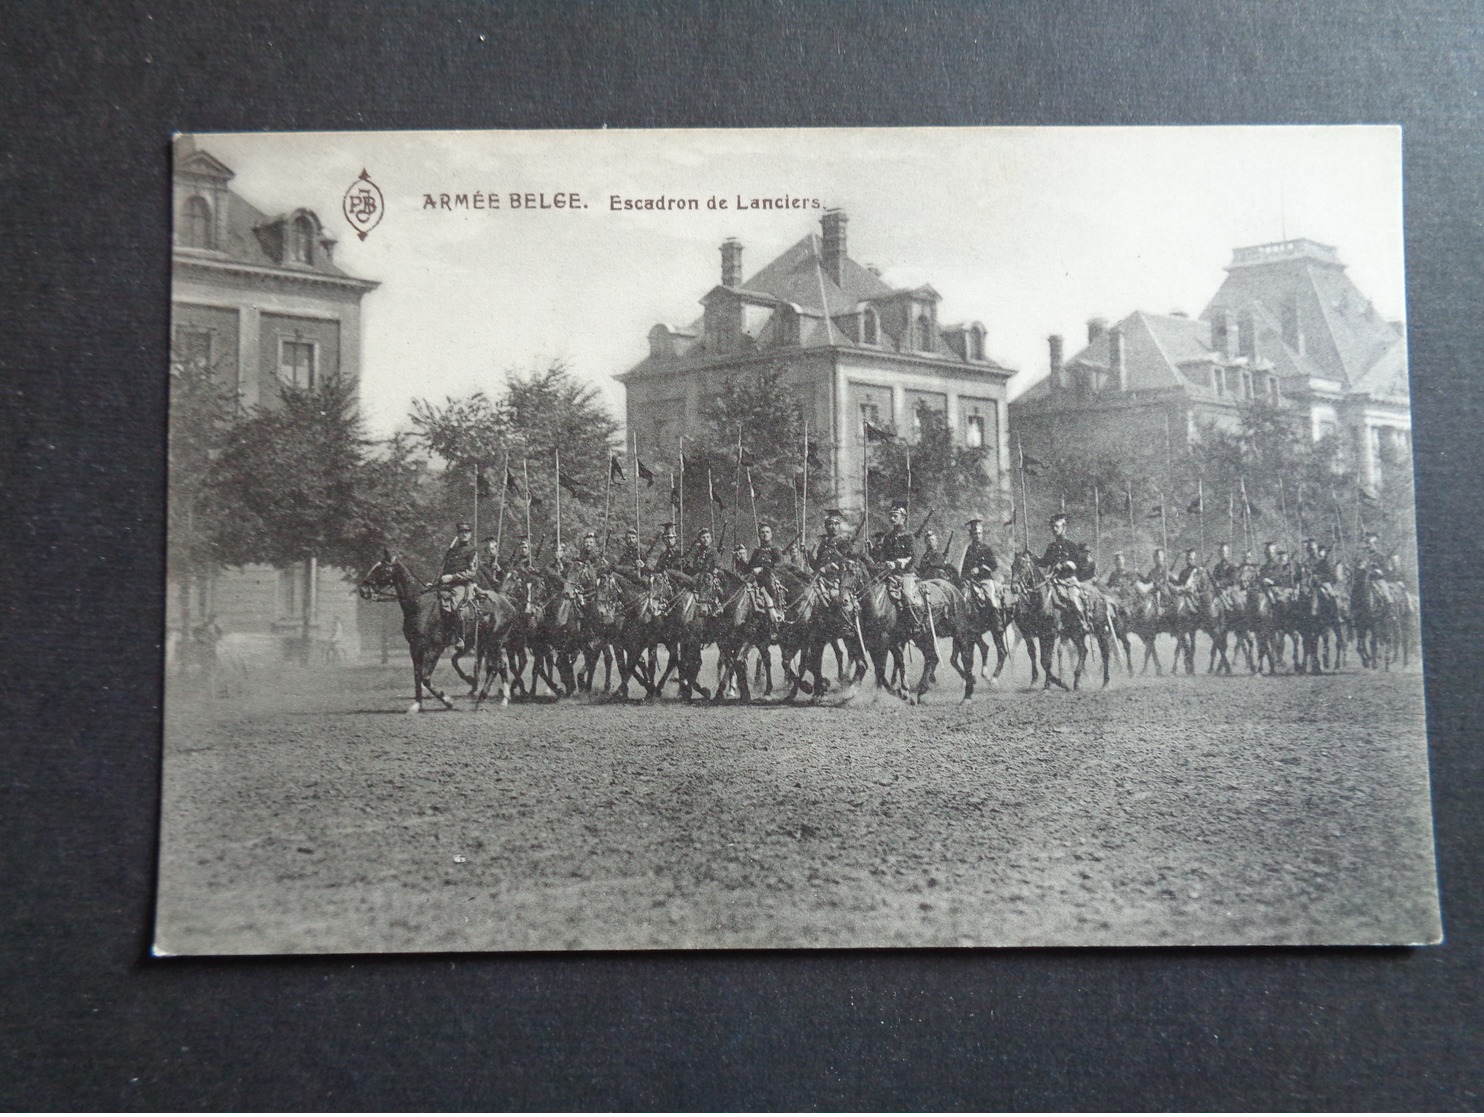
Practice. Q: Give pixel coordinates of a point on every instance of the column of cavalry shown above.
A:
(869, 602)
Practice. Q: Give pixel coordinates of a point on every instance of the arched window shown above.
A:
(196, 230)
(924, 333)
(870, 327)
(301, 240)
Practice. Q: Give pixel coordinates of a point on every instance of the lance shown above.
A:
(1097, 528)
(1164, 528)
(1231, 518)
(607, 497)
(680, 511)
(478, 473)
(737, 483)
(1298, 511)
(1339, 521)
(1133, 539)
(500, 523)
(865, 489)
(558, 453)
(634, 442)
(711, 500)
(804, 511)
(1246, 514)
(525, 469)
(1283, 512)
(1024, 503)
(909, 480)
(752, 496)
(1200, 511)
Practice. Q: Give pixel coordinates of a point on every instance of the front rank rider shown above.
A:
(833, 547)
(934, 563)
(759, 571)
(1063, 562)
(670, 557)
(979, 565)
(460, 570)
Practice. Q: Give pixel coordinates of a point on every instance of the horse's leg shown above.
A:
(1102, 639)
(966, 661)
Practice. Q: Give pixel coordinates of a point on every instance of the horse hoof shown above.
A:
(415, 708)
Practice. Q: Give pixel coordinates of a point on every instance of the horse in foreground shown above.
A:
(426, 627)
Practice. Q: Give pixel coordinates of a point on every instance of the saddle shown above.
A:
(986, 592)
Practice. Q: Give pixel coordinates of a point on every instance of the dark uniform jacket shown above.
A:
(1059, 551)
(1324, 570)
(831, 549)
(490, 573)
(765, 557)
(594, 559)
(1183, 578)
(932, 564)
(1159, 576)
(701, 560)
(462, 561)
(1223, 574)
(979, 560)
(671, 558)
(896, 544)
(629, 556)
(1117, 578)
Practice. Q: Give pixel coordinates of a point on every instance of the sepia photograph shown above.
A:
(807, 538)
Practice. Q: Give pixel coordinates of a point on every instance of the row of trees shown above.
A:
(300, 479)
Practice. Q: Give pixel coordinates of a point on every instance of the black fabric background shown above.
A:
(87, 1020)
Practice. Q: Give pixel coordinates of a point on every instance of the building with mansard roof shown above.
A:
(258, 299)
(1287, 326)
(856, 350)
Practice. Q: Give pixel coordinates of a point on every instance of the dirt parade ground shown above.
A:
(305, 811)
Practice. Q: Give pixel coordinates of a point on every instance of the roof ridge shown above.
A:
(1173, 368)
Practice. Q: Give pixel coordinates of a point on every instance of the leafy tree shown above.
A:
(201, 410)
(760, 415)
(933, 473)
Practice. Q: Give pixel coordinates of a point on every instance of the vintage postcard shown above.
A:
(791, 538)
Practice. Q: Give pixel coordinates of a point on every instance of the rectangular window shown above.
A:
(296, 363)
(974, 432)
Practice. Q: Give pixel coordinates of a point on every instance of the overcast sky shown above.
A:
(1029, 230)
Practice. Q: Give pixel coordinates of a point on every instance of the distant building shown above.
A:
(259, 300)
(857, 351)
(1287, 326)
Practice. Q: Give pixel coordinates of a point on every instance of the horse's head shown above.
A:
(380, 582)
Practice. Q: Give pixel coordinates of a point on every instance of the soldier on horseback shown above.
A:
(671, 557)
(1182, 580)
(833, 546)
(979, 565)
(1064, 561)
(934, 563)
(1120, 575)
(897, 547)
(630, 558)
(1224, 573)
(460, 570)
(590, 556)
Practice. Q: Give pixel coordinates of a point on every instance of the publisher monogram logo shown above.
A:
(363, 204)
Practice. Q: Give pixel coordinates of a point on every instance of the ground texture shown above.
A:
(306, 812)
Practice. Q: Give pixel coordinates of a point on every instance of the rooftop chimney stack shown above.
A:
(1096, 328)
(1116, 363)
(731, 262)
(833, 223)
(1054, 344)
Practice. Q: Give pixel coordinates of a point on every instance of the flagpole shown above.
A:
(525, 469)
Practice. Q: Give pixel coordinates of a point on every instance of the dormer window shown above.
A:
(196, 230)
(924, 333)
(301, 241)
(870, 327)
(976, 343)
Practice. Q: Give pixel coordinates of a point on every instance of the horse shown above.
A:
(499, 618)
(426, 627)
(930, 608)
(988, 613)
(1037, 626)
(1095, 618)
(1376, 618)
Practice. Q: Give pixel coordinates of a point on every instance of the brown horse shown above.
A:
(426, 627)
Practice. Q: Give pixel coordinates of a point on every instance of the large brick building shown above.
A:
(856, 350)
(1286, 326)
(259, 300)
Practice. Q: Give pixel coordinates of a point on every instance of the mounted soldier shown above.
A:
(1269, 571)
(765, 555)
(896, 549)
(700, 562)
(630, 557)
(460, 571)
(980, 564)
(1064, 563)
(1120, 575)
(558, 571)
(1192, 564)
(759, 571)
(1224, 573)
(934, 563)
(670, 557)
(833, 546)
(740, 565)
(590, 556)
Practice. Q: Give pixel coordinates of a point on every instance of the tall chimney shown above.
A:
(833, 223)
(1054, 344)
(1096, 328)
(1116, 364)
(731, 262)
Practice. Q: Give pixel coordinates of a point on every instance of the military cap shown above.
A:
(488, 539)
(462, 525)
(1057, 518)
(975, 520)
(590, 534)
(1118, 554)
(899, 506)
(703, 531)
(522, 538)
(765, 524)
(833, 514)
(667, 525)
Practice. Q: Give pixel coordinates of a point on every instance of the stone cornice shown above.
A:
(233, 267)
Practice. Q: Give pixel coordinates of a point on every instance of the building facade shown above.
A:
(1287, 327)
(856, 350)
(259, 300)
